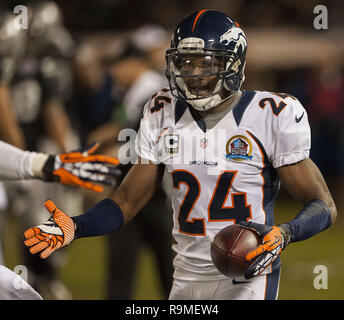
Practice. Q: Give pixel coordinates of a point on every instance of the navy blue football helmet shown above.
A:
(206, 60)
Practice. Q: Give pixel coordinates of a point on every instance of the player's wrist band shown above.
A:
(38, 164)
(106, 216)
(312, 219)
(48, 168)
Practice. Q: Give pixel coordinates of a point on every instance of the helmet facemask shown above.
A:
(203, 78)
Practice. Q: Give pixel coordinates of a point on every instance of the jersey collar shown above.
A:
(238, 111)
(242, 105)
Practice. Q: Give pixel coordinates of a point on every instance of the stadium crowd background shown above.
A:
(107, 46)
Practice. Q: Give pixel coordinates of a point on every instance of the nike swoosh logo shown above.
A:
(298, 119)
(239, 282)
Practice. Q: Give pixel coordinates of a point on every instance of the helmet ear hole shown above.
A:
(233, 82)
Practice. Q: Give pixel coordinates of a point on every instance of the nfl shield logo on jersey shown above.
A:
(239, 148)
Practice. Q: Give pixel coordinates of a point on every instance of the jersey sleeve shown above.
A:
(15, 164)
(292, 141)
(146, 140)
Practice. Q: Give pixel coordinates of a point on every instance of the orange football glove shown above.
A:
(81, 168)
(55, 233)
(273, 241)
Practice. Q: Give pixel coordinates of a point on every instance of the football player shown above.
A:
(225, 150)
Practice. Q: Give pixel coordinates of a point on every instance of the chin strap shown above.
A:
(209, 103)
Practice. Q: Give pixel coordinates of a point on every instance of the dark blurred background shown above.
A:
(94, 16)
(83, 71)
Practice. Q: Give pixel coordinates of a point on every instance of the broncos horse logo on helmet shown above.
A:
(206, 60)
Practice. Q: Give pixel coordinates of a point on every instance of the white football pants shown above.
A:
(264, 287)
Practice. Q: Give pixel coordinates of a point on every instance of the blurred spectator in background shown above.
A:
(140, 70)
(96, 98)
(40, 84)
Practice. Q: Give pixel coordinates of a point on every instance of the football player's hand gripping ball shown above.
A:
(273, 242)
(82, 168)
(57, 232)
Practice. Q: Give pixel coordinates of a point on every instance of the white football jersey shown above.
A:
(225, 174)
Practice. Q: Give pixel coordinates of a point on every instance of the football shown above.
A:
(229, 248)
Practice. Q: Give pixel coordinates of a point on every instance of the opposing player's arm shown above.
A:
(304, 182)
(75, 168)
